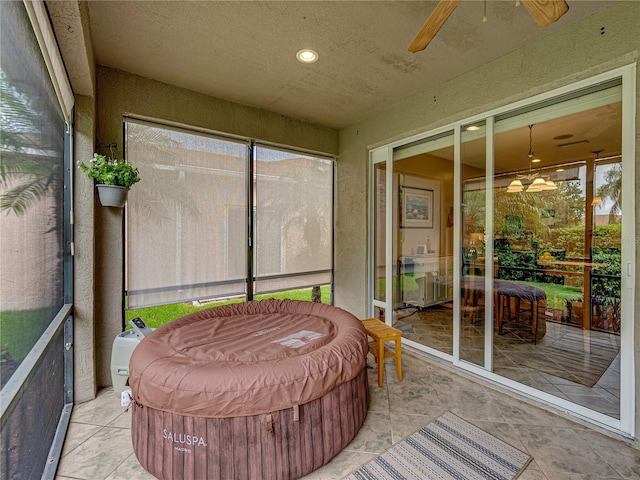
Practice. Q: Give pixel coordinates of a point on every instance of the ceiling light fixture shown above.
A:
(538, 183)
(307, 55)
(472, 128)
(515, 186)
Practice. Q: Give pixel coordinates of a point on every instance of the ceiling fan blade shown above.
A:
(545, 12)
(435, 21)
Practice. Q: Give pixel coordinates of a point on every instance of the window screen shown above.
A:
(187, 218)
(294, 220)
(32, 144)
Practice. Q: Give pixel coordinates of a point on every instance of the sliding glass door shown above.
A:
(512, 241)
(557, 215)
(423, 242)
(473, 196)
(379, 221)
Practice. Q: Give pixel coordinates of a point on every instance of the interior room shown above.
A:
(467, 179)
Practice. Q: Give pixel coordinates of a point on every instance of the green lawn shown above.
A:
(19, 332)
(21, 329)
(556, 294)
(409, 283)
(156, 316)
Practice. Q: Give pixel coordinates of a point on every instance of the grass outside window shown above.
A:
(157, 316)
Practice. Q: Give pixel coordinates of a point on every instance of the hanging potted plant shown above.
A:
(113, 179)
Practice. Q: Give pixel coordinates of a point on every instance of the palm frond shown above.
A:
(19, 199)
(12, 171)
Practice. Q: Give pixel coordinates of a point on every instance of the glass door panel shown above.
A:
(423, 242)
(557, 219)
(473, 211)
(379, 229)
(606, 243)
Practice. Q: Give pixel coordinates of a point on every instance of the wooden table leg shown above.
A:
(465, 305)
(501, 305)
(380, 361)
(534, 319)
(399, 359)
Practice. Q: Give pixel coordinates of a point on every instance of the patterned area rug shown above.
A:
(447, 448)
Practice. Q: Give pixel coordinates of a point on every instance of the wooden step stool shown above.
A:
(380, 333)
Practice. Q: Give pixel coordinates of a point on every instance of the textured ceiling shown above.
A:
(244, 51)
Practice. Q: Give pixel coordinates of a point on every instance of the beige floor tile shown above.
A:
(623, 458)
(99, 456)
(98, 444)
(404, 425)
(101, 411)
(77, 434)
(413, 399)
(122, 421)
(340, 466)
(563, 451)
(473, 405)
(517, 412)
(374, 435)
(130, 469)
(533, 472)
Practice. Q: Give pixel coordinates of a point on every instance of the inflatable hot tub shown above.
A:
(259, 390)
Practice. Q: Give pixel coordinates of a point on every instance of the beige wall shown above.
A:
(574, 53)
(84, 232)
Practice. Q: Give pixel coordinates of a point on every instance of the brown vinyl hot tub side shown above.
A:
(300, 407)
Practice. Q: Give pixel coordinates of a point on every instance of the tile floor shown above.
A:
(98, 444)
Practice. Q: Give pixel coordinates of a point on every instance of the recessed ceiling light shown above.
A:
(472, 128)
(536, 160)
(560, 170)
(307, 56)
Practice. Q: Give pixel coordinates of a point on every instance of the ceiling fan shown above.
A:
(544, 12)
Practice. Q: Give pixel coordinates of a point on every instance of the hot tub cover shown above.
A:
(247, 358)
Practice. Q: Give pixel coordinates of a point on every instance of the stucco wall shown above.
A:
(120, 93)
(84, 230)
(569, 55)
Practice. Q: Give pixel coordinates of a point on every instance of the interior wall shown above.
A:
(410, 238)
(574, 53)
(440, 170)
(120, 93)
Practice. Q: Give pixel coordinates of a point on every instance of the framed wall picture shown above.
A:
(417, 208)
